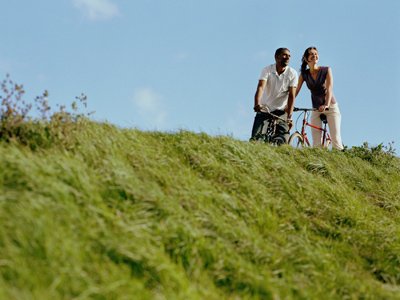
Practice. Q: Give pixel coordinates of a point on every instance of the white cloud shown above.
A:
(97, 9)
(149, 106)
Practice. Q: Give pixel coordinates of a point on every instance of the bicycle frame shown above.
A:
(269, 128)
(326, 138)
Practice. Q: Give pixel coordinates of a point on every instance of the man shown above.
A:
(275, 93)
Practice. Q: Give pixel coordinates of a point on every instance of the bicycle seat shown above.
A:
(323, 118)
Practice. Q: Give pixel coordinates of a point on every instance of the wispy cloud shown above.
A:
(150, 108)
(262, 56)
(239, 121)
(5, 66)
(181, 56)
(97, 10)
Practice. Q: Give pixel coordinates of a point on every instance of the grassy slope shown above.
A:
(134, 215)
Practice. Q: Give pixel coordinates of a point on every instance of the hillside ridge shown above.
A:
(102, 212)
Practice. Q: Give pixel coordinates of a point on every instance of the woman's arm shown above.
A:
(299, 84)
(329, 88)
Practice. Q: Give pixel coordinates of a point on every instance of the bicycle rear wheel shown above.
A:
(296, 141)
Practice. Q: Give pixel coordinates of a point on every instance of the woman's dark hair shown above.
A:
(303, 67)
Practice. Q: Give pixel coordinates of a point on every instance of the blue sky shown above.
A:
(194, 64)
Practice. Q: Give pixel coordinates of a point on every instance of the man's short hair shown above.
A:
(280, 50)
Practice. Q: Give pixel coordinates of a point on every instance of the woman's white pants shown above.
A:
(334, 119)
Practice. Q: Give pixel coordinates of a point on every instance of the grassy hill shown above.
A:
(108, 213)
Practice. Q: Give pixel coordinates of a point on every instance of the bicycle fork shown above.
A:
(304, 133)
(325, 135)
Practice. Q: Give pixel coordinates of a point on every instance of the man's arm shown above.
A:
(291, 98)
(258, 95)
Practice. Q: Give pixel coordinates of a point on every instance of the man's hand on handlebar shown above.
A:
(290, 123)
(257, 108)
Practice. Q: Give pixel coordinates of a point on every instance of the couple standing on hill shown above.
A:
(279, 85)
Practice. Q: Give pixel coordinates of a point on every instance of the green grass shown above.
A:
(125, 214)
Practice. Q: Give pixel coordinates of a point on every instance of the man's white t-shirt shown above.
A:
(276, 91)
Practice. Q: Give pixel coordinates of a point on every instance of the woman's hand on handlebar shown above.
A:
(322, 108)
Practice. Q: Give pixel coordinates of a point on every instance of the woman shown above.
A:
(319, 80)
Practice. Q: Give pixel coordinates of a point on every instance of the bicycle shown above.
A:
(268, 133)
(299, 139)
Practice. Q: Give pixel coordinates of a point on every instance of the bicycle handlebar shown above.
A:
(274, 116)
(271, 114)
(307, 109)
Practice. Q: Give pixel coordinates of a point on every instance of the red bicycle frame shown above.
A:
(325, 134)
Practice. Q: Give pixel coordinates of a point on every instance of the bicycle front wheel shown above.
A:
(327, 144)
(296, 140)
